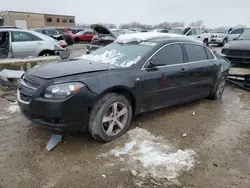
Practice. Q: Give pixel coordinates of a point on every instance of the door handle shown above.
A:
(183, 70)
(199, 37)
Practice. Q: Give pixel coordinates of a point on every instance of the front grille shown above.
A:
(29, 83)
(239, 53)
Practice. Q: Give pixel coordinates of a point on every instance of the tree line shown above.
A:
(198, 23)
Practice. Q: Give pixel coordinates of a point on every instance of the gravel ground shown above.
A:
(204, 144)
(218, 131)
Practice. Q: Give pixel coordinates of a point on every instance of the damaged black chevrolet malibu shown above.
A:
(101, 91)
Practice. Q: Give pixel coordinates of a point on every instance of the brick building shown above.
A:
(36, 20)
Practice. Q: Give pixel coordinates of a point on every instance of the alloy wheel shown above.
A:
(115, 118)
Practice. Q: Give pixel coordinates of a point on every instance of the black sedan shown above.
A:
(102, 91)
(238, 50)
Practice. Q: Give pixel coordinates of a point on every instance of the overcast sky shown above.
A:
(213, 12)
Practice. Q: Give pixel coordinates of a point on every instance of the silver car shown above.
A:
(17, 43)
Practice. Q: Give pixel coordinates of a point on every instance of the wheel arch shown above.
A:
(122, 90)
(46, 50)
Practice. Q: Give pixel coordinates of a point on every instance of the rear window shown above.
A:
(195, 52)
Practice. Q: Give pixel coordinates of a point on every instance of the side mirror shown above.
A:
(151, 65)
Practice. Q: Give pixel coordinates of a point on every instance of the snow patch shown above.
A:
(13, 108)
(5, 74)
(154, 156)
(3, 117)
(139, 37)
(111, 57)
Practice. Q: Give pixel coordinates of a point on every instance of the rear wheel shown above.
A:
(218, 88)
(110, 117)
(47, 53)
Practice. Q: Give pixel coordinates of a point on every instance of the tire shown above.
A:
(224, 42)
(205, 42)
(103, 126)
(46, 53)
(218, 88)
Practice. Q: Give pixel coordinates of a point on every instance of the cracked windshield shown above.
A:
(135, 94)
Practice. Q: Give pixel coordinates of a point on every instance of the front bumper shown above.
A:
(70, 114)
(238, 60)
(216, 41)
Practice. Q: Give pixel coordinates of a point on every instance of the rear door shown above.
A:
(166, 82)
(202, 67)
(25, 44)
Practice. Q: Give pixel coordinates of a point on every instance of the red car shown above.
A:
(82, 36)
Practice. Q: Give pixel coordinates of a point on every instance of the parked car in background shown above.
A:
(103, 36)
(82, 36)
(235, 33)
(76, 30)
(220, 35)
(8, 27)
(238, 50)
(162, 30)
(193, 32)
(54, 33)
(147, 71)
(20, 43)
(65, 30)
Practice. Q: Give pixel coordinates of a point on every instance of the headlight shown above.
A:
(62, 91)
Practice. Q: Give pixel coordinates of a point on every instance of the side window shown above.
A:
(240, 31)
(23, 37)
(169, 55)
(209, 54)
(195, 52)
(198, 30)
(235, 31)
(193, 32)
(51, 32)
(88, 33)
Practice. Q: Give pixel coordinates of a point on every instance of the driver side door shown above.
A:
(164, 78)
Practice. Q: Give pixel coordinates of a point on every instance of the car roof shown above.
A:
(12, 29)
(174, 39)
(154, 37)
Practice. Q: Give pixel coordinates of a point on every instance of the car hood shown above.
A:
(68, 67)
(239, 45)
(102, 30)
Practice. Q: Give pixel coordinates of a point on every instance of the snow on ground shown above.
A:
(111, 57)
(13, 108)
(139, 37)
(152, 156)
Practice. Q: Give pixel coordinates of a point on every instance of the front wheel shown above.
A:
(218, 88)
(110, 117)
